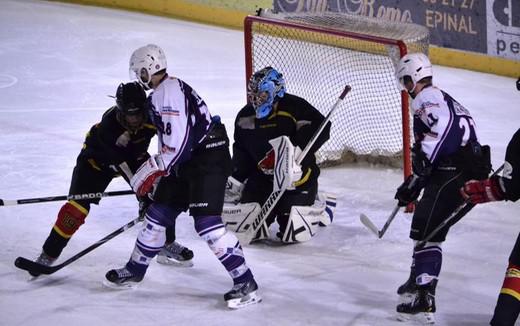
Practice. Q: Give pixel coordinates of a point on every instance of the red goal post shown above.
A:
(318, 53)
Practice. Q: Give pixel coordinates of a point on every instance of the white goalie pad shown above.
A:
(238, 217)
(304, 221)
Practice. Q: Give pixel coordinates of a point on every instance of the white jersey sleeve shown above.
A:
(182, 120)
(441, 125)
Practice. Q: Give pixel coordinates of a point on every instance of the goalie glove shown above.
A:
(483, 191)
(147, 175)
(233, 191)
(295, 170)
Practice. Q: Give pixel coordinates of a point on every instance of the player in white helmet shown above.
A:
(188, 173)
(446, 153)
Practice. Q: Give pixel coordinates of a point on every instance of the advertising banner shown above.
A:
(488, 27)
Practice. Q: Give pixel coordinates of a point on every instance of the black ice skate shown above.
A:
(422, 308)
(175, 254)
(43, 259)
(408, 290)
(121, 279)
(242, 294)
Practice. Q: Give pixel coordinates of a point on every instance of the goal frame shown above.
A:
(403, 50)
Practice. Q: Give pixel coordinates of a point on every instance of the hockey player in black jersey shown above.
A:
(446, 153)
(115, 146)
(272, 112)
(505, 187)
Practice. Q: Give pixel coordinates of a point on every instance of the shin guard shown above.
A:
(224, 245)
(70, 217)
(428, 262)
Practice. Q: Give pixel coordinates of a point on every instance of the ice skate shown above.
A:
(242, 294)
(121, 278)
(421, 308)
(175, 254)
(43, 259)
(408, 290)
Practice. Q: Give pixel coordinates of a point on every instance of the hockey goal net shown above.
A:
(319, 54)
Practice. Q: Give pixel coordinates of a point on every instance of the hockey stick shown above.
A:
(274, 197)
(371, 226)
(36, 268)
(4, 202)
(459, 213)
(368, 223)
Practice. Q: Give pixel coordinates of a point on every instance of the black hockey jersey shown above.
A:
(293, 117)
(511, 174)
(110, 143)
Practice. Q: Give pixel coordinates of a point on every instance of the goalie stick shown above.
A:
(36, 268)
(274, 197)
(459, 213)
(5, 202)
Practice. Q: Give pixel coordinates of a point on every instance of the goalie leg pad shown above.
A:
(328, 201)
(238, 218)
(303, 223)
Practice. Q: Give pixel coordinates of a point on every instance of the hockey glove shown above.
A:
(233, 190)
(409, 191)
(483, 191)
(266, 165)
(295, 170)
(147, 175)
(421, 165)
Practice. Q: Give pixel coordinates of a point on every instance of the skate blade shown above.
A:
(174, 262)
(422, 318)
(124, 286)
(248, 300)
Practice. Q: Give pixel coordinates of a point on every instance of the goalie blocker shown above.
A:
(303, 222)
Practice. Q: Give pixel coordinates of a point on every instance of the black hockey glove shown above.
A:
(409, 190)
(144, 203)
(421, 165)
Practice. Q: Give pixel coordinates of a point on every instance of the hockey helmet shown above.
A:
(145, 62)
(265, 87)
(130, 98)
(413, 67)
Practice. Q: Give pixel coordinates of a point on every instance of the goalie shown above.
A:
(269, 114)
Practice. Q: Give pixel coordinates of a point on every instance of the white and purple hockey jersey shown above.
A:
(440, 124)
(182, 120)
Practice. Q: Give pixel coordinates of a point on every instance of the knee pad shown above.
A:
(70, 217)
(511, 283)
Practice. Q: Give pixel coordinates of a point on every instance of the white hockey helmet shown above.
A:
(145, 62)
(415, 65)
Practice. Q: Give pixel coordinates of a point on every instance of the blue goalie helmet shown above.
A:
(265, 87)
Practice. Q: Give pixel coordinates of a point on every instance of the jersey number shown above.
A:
(468, 125)
(168, 129)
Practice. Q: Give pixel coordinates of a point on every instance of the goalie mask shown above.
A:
(412, 68)
(130, 102)
(265, 88)
(145, 62)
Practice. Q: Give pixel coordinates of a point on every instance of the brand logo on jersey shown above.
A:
(428, 105)
(167, 149)
(168, 110)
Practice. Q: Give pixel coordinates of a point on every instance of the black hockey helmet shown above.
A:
(130, 98)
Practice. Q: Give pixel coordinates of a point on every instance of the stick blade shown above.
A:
(33, 267)
(368, 224)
